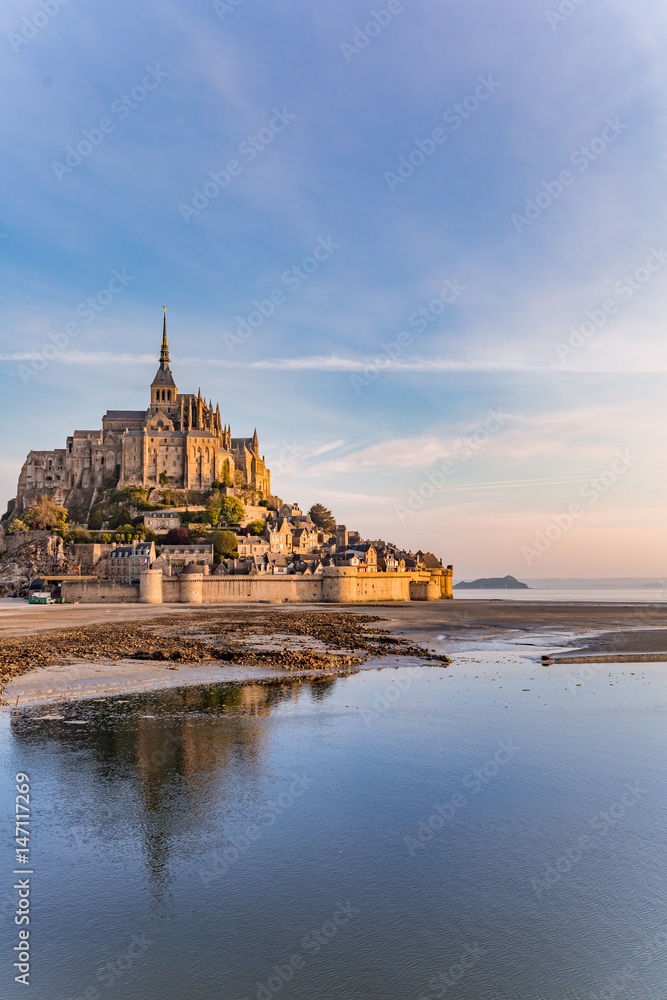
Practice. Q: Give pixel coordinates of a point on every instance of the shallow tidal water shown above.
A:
(493, 829)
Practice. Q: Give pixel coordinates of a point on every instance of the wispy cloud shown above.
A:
(334, 363)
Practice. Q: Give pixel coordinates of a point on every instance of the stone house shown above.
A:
(290, 510)
(127, 561)
(251, 545)
(305, 538)
(173, 559)
(162, 520)
(279, 535)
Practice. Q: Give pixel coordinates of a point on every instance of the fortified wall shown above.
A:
(337, 585)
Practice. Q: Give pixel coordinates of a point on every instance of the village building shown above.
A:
(162, 520)
(127, 562)
(305, 538)
(251, 545)
(279, 535)
(175, 558)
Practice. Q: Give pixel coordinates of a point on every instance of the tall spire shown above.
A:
(164, 350)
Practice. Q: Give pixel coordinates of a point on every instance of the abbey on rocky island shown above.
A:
(179, 441)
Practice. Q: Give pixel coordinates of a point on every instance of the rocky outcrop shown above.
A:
(26, 556)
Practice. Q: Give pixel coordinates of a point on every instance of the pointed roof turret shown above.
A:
(163, 376)
(255, 442)
(164, 350)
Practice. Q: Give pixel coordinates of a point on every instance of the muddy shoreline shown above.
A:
(249, 642)
(75, 651)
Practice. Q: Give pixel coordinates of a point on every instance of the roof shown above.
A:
(142, 549)
(173, 550)
(430, 561)
(163, 376)
(122, 414)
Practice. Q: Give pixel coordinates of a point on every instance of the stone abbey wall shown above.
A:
(99, 592)
(335, 586)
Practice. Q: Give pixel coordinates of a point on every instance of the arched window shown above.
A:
(169, 394)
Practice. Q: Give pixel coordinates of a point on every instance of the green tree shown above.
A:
(16, 526)
(256, 527)
(163, 478)
(213, 508)
(45, 514)
(225, 545)
(96, 519)
(232, 509)
(106, 539)
(120, 518)
(80, 536)
(226, 474)
(323, 518)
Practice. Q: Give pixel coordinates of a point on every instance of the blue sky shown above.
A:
(534, 207)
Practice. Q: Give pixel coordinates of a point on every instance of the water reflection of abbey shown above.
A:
(161, 766)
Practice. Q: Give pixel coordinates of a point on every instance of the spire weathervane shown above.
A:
(164, 350)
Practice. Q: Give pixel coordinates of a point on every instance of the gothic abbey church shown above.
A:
(179, 441)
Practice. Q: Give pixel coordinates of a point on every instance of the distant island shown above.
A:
(493, 583)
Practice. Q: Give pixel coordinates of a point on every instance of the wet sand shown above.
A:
(439, 627)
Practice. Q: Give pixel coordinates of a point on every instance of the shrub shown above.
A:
(80, 536)
(178, 536)
(213, 508)
(232, 509)
(44, 514)
(225, 545)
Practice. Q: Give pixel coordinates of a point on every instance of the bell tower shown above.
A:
(164, 393)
